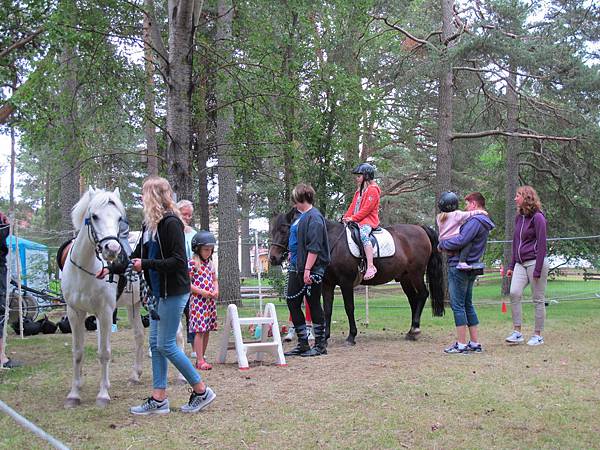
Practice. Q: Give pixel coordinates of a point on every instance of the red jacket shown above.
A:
(368, 214)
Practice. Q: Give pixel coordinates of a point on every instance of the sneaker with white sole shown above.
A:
(457, 348)
(151, 406)
(535, 340)
(199, 401)
(474, 347)
(515, 338)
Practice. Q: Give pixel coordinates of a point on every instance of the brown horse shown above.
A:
(416, 254)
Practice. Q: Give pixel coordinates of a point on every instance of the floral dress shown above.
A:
(203, 311)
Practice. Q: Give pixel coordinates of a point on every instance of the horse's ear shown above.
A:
(91, 190)
(117, 193)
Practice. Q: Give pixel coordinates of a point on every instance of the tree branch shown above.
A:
(157, 42)
(21, 42)
(407, 34)
(484, 133)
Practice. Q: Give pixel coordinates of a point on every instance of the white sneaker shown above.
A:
(311, 335)
(291, 334)
(535, 340)
(515, 338)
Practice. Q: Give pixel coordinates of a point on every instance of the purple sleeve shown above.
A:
(539, 222)
(467, 234)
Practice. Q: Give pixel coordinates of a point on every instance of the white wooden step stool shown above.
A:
(234, 323)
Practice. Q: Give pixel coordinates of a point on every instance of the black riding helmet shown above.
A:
(448, 202)
(366, 170)
(201, 238)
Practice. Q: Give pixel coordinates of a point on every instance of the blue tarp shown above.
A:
(34, 262)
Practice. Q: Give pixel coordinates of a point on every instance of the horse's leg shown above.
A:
(327, 294)
(348, 294)
(133, 312)
(417, 293)
(181, 344)
(104, 352)
(76, 319)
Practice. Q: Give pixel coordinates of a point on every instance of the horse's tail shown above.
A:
(435, 276)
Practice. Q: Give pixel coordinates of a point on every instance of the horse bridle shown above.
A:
(285, 248)
(93, 236)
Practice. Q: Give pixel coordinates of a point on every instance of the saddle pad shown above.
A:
(385, 244)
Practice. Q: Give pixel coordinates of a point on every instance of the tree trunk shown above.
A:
(183, 18)
(149, 100)
(445, 117)
(246, 237)
(445, 106)
(47, 216)
(229, 273)
(289, 112)
(512, 170)
(201, 143)
(70, 172)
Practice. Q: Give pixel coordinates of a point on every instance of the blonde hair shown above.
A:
(531, 202)
(442, 217)
(158, 200)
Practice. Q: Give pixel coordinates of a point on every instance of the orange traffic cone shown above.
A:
(503, 307)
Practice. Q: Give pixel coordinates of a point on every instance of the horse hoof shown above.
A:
(411, 337)
(350, 342)
(72, 403)
(134, 381)
(102, 402)
(180, 381)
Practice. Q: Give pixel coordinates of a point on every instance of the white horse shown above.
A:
(96, 217)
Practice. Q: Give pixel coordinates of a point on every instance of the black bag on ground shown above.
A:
(47, 326)
(90, 323)
(30, 328)
(64, 325)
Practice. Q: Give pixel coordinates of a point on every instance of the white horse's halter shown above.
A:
(93, 236)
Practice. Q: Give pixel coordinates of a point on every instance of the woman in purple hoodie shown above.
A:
(529, 263)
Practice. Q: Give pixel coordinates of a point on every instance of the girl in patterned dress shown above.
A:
(205, 289)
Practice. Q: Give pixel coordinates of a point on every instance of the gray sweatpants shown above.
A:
(522, 276)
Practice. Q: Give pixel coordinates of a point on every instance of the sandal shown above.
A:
(203, 366)
(370, 273)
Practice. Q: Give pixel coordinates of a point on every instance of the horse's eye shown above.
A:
(94, 217)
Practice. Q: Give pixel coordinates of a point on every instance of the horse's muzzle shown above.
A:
(274, 260)
(111, 250)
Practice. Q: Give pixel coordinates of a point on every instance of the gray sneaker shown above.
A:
(199, 401)
(151, 406)
(515, 337)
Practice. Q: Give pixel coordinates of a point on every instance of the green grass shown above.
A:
(383, 393)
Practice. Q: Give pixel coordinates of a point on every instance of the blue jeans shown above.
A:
(163, 343)
(460, 286)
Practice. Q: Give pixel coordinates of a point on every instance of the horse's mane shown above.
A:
(91, 200)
